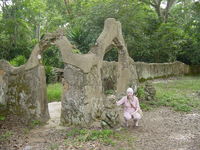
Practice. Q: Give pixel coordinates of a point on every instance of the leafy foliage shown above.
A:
(150, 36)
(18, 61)
(52, 58)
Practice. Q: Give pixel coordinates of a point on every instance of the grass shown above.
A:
(108, 92)
(54, 147)
(84, 135)
(178, 94)
(6, 136)
(33, 124)
(105, 136)
(2, 118)
(54, 92)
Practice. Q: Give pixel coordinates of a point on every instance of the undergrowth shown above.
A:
(105, 136)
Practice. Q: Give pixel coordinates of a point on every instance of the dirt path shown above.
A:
(39, 137)
(160, 129)
(164, 129)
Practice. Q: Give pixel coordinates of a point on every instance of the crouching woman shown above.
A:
(131, 107)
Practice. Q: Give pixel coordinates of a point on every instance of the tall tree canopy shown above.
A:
(154, 30)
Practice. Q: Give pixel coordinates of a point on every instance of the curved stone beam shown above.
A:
(111, 35)
(82, 61)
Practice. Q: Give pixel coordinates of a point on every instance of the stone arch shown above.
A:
(83, 103)
(82, 100)
(112, 36)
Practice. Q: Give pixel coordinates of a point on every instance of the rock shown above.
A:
(28, 148)
(111, 114)
(150, 91)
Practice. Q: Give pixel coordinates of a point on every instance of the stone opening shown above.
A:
(109, 70)
(54, 66)
(111, 55)
(54, 69)
(109, 86)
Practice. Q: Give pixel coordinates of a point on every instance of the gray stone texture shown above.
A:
(112, 116)
(3, 87)
(24, 92)
(155, 70)
(150, 91)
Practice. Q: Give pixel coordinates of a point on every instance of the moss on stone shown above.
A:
(141, 80)
(16, 86)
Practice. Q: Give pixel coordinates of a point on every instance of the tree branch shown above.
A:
(169, 4)
(67, 6)
(148, 2)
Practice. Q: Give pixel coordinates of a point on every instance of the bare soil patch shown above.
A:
(160, 129)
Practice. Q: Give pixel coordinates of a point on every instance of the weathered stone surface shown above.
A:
(83, 103)
(109, 76)
(3, 87)
(150, 91)
(154, 70)
(112, 116)
(73, 104)
(24, 91)
(115, 78)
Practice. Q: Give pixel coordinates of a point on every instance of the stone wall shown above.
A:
(110, 76)
(3, 87)
(155, 70)
(195, 70)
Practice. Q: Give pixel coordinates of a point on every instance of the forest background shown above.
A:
(154, 30)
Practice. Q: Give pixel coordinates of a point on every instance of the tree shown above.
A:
(162, 8)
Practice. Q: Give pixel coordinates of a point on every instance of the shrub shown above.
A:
(50, 75)
(18, 61)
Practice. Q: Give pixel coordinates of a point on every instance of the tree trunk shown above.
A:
(37, 32)
(67, 6)
(162, 13)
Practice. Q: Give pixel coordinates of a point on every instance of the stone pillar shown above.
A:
(27, 95)
(81, 100)
(3, 90)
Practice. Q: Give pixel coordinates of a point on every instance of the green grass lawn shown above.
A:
(179, 94)
(54, 92)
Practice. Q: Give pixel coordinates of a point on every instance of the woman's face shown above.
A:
(129, 94)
